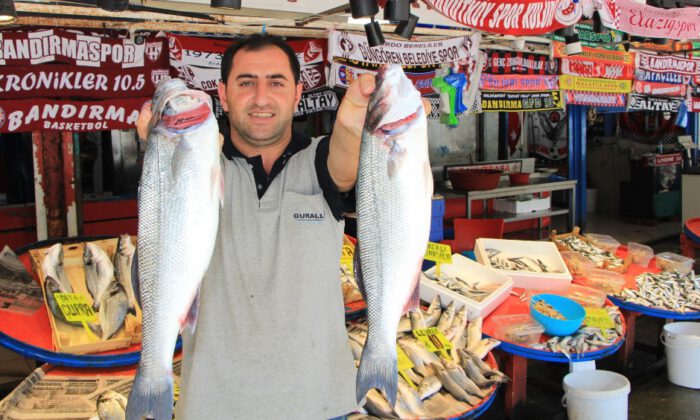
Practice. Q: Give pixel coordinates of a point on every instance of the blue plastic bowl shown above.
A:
(571, 310)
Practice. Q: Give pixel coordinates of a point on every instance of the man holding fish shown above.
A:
(270, 339)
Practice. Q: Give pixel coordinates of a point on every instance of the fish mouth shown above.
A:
(401, 125)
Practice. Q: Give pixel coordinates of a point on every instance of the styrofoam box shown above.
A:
(471, 272)
(547, 252)
(526, 206)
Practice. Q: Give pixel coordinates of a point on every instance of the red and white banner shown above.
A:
(693, 103)
(321, 100)
(499, 62)
(654, 22)
(312, 59)
(63, 80)
(79, 116)
(586, 67)
(667, 63)
(60, 46)
(341, 75)
(662, 77)
(659, 89)
(502, 82)
(623, 57)
(352, 46)
(514, 17)
(197, 60)
(574, 97)
(638, 102)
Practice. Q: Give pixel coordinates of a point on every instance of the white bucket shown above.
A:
(682, 341)
(596, 394)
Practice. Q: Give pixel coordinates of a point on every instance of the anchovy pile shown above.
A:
(586, 338)
(517, 263)
(442, 385)
(600, 257)
(477, 291)
(668, 290)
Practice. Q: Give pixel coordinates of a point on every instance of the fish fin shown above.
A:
(378, 369)
(393, 163)
(357, 270)
(150, 397)
(414, 298)
(96, 329)
(192, 314)
(135, 277)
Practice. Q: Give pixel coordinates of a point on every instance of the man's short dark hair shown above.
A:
(256, 42)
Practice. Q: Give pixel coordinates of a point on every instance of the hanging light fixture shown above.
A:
(226, 4)
(597, 23)
(112, 5)
(397, 10)
(367, 9)
(8, 14)
(405, 28)
(573, 43)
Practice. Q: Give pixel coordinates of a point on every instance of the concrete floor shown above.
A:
(652, 395)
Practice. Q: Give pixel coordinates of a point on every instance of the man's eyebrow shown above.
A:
(253, 76)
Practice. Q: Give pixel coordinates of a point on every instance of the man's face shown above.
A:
(260, 96)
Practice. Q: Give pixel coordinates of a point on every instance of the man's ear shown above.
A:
(222, 96)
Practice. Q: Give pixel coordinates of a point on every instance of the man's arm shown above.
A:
(344, 147)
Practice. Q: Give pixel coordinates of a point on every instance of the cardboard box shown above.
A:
(512, 205)
(558, 278)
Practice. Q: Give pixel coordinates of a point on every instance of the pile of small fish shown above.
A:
(668, 290)
(464, 379)
(351, 293)
(477, 291)
(517, 263)
(108, 281)
(600, 257)
(586, 338)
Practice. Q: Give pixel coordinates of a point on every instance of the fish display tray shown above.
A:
(471, 272)
(74, 339)
(576, 232)
(547, 252)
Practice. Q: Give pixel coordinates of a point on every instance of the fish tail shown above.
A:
(151, 397)
(377, 370)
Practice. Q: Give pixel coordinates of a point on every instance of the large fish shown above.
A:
(179, 197)
(113, 309)
(53, 267)
(394, 189)
(99, 272)
(123, 260)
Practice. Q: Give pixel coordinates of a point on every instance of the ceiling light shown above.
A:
(375, 37)
(405, 28)
(363, 8)
(226, 4)
(573, 44)
(8, 14)
(597, 23)
(397, 10)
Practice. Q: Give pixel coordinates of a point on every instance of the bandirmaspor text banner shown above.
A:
(60, 46)
(521, 101)
(667, 63)
(405, 53)
(638, 102)
(513, 17)
(648, 21)
(79, 116)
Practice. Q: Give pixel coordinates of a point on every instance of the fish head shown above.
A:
(51, 286)
(55, 253)
(125, 246)
(395, 105)
(89, 254)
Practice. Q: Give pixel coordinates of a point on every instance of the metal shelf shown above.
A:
(512, 217)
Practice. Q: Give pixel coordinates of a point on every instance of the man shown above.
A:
(270, 340)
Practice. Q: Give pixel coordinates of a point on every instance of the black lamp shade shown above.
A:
(375, 37)
(113, 5)
(397, 10)
(8, 14)
(405, 28)
(226, 4)
(597, 23)
(362, 8)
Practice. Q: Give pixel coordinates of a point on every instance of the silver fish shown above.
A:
(376, 404)
(111, 405)
(394, 189)
(52, 286)
(432, 315)
(113, 309)
(178, 221)
(356, 349)
(417, 321)
(53, 267)
(475, 374)
(448, 315)
(485, 346)
(429, 386)
(99, 272)
(123, 259)
(474, 333)
(411, 401)
(453, 387)
(485, 369)
(460, 377)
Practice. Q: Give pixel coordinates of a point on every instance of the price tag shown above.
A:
(346, 258)
(433, 340)
(76, 308)
(404, 364)
(439, 253)
(599, 318)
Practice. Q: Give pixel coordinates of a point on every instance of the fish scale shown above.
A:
(179, 198)
(394, 188)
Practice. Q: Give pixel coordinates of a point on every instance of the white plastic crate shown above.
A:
(512, 205)
(471, 272)
(558, 279)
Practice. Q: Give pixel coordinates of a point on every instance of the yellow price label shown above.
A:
(439, 253)
(346, 258)
(433, 340)
(75, 308)
(176, 391)
(599, 318)
(404, 363)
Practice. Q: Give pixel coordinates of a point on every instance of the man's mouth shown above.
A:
(261, 114)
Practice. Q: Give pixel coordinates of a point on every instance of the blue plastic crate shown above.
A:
(436, 231)
(438, 208)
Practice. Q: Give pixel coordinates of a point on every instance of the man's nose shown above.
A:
(262, 94)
